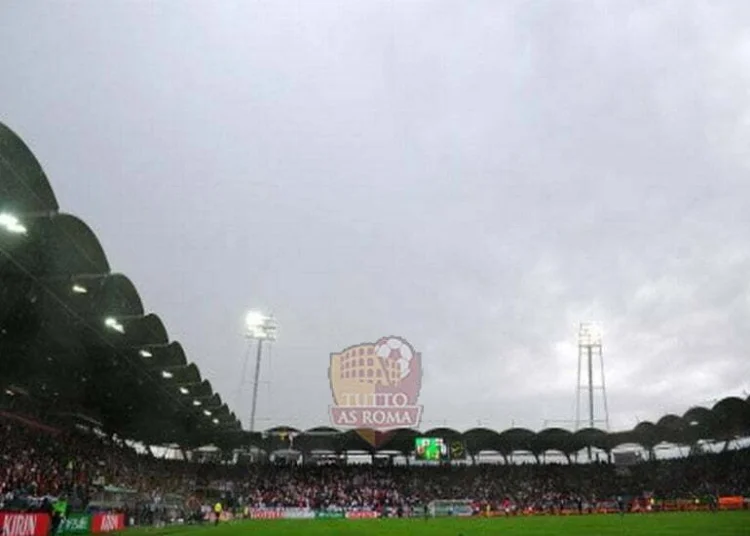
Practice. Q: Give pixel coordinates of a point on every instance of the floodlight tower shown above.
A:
(259, 327)
(589, 348)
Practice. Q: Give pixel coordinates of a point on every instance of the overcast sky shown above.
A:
(476, 176)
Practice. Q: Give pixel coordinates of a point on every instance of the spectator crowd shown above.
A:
(82, 467)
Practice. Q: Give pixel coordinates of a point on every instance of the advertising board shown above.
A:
(75, 524)
(362, 515)
(107, 523)
(16, 524)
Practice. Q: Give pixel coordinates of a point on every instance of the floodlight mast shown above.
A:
(589, 344)
(259, 327)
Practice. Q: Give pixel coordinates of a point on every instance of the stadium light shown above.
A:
(166, 374)
(11, 224)
(112, 323)
(206, 413)
(145, 353)
(197, 403)
(260, 327)
(590, 333)
(184, 390)
(79, 289)
(215, 420)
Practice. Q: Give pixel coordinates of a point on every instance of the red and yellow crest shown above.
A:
(375, 387)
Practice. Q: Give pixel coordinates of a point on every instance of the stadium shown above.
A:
(93, 386)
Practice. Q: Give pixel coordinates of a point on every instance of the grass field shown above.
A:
(690, 524)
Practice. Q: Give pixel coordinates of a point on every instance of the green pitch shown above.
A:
(692, 524)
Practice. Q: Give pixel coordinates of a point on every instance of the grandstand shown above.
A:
(78, 351)
(76, 342)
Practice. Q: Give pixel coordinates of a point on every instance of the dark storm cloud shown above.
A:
(478, 177)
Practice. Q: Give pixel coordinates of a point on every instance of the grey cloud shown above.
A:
(478, 178)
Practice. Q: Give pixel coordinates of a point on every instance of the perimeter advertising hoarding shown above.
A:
(308, 513)
(452, 509)
(75, 524)
(732, 503)
(325, 514)
(13, 524)
(298, 513)
(366, 514)
(263, 513)
(282, 513)
(107, 523)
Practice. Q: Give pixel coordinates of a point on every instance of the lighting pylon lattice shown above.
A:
(590, 355)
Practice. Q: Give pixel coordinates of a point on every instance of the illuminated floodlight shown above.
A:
(206, 413)
(260, 326)
(145, 353)
(112, 323)
(79, 289)
(215, 420)
(196, 403)
(166, 374)
(254, 319)
(590, 334)
(11, 224)
(184, 391)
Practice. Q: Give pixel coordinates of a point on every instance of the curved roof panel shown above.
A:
(555, 439)
(138, 331)
(23, 185)
(442, 432)
(190, 378)
(73, 247)
(171, 356)
(698, 415)
(519, 439)
(401, 440)
(482, 439)
(117, 297)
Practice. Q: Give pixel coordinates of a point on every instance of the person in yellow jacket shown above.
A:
(217, 512)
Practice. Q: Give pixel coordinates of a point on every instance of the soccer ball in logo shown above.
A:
(398, 350)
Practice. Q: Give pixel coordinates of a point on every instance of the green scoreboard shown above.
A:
(432, 449)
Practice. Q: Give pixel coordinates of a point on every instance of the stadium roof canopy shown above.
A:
(728, 420)
(74, 336)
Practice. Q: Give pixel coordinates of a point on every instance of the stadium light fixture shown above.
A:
(215, 420)
(197, 403)
(11, 224)
(206, 413)
(145, 353)
(166, 374)
(260, 326)
(112, 323)
(590, 333)
(79, 289)
(184, 390)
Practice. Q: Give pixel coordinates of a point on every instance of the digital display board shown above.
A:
(431, 449)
